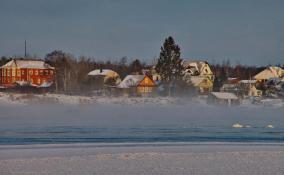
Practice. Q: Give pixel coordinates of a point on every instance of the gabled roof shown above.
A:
(132, 81)
(270, 72)
(195, 66)
(224, 95)
(32, 64)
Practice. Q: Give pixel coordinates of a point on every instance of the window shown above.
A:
(38, 81)
(4, 72)
(8, 72)
(36, 72)
(13, 72)
(18, 73)
(23, 72)
(30, 72)
(51, 72)
(41, 72)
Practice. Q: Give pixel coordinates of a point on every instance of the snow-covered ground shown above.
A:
(164, 159)
(18, 98)
(22, 99)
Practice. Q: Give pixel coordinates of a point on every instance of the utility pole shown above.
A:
(25, 48)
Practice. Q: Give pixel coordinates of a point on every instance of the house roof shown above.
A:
(131, 81)
(224, 95)
(233, 80)
(32, 64)
(248, 81)
(270, 72)
(197, 64)
(103, 72)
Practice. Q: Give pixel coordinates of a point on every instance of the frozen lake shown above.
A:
(41, 124)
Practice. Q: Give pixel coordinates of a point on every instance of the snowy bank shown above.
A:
(21, 99)
(198, 159)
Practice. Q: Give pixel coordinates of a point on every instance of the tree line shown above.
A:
(71, 72)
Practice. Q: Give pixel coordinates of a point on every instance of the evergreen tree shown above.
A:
(136, 67)
(169, 64)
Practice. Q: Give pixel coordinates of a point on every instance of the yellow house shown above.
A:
(198, 68)
(203, 84)
(269, 72)
(140, 83)
(199, 74)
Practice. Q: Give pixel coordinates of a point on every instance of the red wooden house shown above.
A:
(35, 73)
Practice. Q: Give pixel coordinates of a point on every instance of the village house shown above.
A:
(223, 98)
(137, 84)
(241, 88)
(269, 72)
(249, 88)
(108, 76)
(231, 85)
(35, 73)
(199, 74)
(103, 81)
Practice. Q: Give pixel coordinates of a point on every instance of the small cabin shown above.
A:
(223, 98)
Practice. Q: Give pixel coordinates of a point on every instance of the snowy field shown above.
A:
(26, 99)
(159, 159)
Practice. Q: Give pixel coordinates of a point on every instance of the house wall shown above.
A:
(35, 76)
(147, 82)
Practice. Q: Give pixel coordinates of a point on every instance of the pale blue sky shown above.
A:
(245, 31)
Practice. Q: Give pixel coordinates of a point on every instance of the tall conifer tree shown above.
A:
(169, 64)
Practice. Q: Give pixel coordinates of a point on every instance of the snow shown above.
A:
(50, 98)
(45, 84)
(33, 64)
(127, 159)
(131, 81)
(224, 95)
(21, 98)
(23, 83)
(103, 72)
(248, 81)
(270, 72)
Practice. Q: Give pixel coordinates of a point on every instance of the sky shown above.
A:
(244, 31)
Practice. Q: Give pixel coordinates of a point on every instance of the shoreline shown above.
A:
(159, 158)
(22, 99)
(137, 144)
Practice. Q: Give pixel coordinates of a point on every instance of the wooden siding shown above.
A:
(35, 76)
